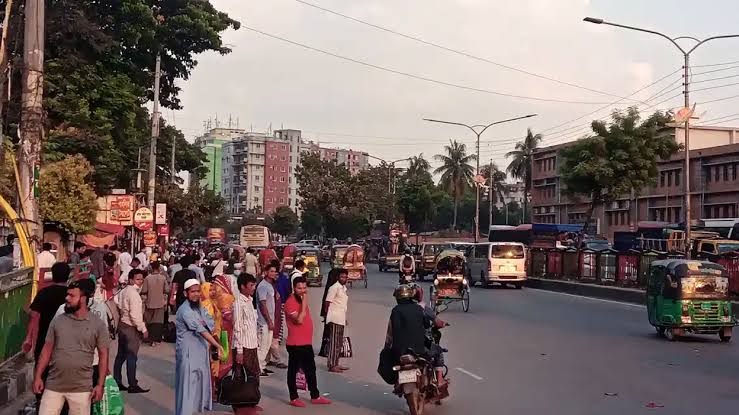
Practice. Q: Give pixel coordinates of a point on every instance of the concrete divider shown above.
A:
(625, 295)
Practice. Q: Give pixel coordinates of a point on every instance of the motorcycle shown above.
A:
(406, 274)
(417, 381)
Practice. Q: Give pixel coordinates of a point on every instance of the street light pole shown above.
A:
(478, 129)
(686, 95)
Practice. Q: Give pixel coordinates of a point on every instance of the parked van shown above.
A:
(498, 262)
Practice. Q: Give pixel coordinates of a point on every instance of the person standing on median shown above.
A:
(131, 310)
(193, 392)
(299, 345)
(266, 318)
(335, 304)
(154, 293)
(68, 353)
(43, 309)
(245, 339)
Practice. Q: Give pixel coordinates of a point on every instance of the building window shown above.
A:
(662, 179)
(669, 179)
(257, 188)
(726, 172)
(716, 174)
(678, 173)
(256, 177)
(284, 147)
(282, 169)
(282, 179)
(282, 201)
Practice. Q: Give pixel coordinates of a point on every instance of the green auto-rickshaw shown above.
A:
(685, 296)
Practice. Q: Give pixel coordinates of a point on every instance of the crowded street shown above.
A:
(515, 351)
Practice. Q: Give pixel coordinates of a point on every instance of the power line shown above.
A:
(714, 71)
(418, 77)
(715, 87)
(719, 99)
(718, 78)
(714, 64)
(717, 118)
(456, 51)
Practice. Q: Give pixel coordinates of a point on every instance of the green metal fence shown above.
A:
(15, 293)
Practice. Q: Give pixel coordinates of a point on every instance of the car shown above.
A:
(313, 242)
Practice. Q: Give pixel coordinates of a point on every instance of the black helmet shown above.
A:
(404, 291)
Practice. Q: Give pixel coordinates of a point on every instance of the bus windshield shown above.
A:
(506, 251)
(727, 247)
(704, 286)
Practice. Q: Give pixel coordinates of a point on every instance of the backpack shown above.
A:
(407, 262)
(114, 317)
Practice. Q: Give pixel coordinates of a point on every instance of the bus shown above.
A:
(255, 236)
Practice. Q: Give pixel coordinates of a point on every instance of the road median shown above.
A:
(604, 292)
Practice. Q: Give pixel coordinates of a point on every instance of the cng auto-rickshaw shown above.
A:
(685, 296)
(337, 255)
(450, 284)
(354, 264)
(310, 255)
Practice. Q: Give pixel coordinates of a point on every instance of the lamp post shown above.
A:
(478, 130)
(686, 94)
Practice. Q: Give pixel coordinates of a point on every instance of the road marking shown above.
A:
(470, 374)
(602, 300)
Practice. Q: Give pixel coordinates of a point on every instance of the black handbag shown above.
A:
(238, 389)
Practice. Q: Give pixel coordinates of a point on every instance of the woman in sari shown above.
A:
(223, 298)
(333, 276)
(207, 295)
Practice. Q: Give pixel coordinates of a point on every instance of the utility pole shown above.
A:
(4, 63)
(686, 94)
(154, 136)
(173, 173)
(31, 125)
(490, 197)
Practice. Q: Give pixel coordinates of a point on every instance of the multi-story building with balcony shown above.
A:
(714, 186)
(258, 169)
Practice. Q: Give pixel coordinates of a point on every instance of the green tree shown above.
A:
(192, 211)
(619, 158)
(99, 73)
(285, 221)
(67, 196)
(415, 195)
(311, 223)
(456, 172)
(520, 166)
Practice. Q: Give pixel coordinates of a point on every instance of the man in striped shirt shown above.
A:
(245, 340)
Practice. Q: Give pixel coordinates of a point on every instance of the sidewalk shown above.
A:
(625, 295)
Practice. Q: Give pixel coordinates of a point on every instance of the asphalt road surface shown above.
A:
(515, 352)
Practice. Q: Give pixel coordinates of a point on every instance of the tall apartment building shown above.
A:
(355, 161)
(212, 145)
(714, 186)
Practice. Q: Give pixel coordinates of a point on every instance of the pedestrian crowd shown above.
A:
(230, 314)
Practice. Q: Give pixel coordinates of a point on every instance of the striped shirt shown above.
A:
(245, 323)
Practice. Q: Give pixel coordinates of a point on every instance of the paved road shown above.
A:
(515, 352)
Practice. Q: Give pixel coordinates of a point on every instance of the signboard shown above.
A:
(143, 219)
(163, 230)
(150, 238)
(161, 214)
(120, 209)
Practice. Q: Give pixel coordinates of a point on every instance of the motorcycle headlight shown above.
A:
(464, 281)
(436, 282)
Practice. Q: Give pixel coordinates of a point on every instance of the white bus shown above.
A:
(255, 236)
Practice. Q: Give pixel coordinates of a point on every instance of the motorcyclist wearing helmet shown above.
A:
(408, 324)
(436, 352)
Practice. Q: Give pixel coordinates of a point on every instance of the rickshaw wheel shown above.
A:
(670, 334)
(466, 300)
(725, 335)
(365, 281)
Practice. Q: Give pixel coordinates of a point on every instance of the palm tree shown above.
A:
(520, 166)
(418, 165)
(499, 186)
(456, 171)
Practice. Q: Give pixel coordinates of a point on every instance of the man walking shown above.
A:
(68, 352)
(282, 290)
(336, 303)
(251, 263)
(129, 340)
(300, 344)
(154, 293)
(45, 258)
(266, 319)
(48, 299)
(245, 340)
(193, 393)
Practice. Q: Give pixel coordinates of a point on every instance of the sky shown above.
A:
(268, 82)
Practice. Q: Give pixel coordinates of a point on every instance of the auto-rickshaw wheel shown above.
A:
(660, 331)
(365, 280)
(466, 300)
(725, 334)
(670, 334)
